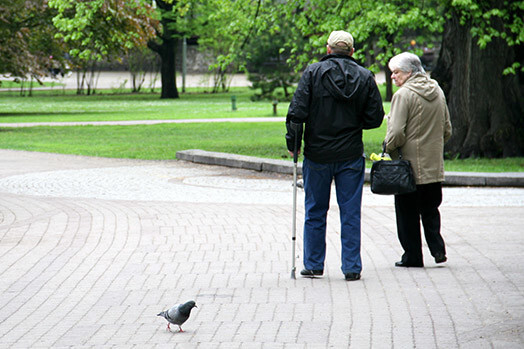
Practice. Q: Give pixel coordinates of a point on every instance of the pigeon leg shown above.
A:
(168, 327)
(180, 329)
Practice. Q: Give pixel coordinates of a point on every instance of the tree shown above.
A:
(27, 45)
(178, 19)
(479, 70)
(479, 64)
(102, 29)
(381, 29)
(267, 65)
(166, 48)
(246, 35)
(227, 29)
(140, 62)
(385, 29)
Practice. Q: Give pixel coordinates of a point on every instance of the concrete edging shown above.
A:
(476, 179)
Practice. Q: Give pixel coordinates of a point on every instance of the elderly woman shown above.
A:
(418, 126)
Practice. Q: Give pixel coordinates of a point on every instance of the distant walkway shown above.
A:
(122, 79)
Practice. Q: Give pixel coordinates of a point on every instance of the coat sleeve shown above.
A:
(298, 111)
(374, 109)
(447, 124)
(397, 121)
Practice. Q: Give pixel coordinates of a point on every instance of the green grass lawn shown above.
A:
(159, 141)
(26, 84)
(162, 141)
(44, 106)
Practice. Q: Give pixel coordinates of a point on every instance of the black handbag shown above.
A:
(392, 177)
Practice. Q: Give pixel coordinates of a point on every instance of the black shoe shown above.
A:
(311, 273)
(352, 276)
(407, 265)
(440, 258)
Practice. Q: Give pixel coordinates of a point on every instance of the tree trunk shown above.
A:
(167, 69)
(486, 107)
(167, 52)
(389, 84)
(387, 72)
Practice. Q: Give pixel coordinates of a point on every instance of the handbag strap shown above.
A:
(384, 150)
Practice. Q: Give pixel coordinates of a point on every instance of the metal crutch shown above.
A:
(298, 136)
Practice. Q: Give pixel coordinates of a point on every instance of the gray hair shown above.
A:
(406, 62)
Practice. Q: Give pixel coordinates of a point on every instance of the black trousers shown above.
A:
(410, 209)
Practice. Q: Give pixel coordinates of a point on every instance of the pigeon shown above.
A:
(178, 314)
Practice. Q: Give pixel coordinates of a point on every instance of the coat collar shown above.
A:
(326, 57)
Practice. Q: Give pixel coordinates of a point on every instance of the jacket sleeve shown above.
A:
(374, 109)
(447, 124)
(298, 111)
(397, 121)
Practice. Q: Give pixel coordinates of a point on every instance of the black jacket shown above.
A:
(336, 99)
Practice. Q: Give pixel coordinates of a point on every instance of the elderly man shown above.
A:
(336, 99)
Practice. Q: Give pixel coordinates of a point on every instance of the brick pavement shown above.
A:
(92, 249)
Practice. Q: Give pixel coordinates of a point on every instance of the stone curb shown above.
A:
(238, 161)
(475, 179)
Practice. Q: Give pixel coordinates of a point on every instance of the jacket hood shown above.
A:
(337, 79)
(422, 85)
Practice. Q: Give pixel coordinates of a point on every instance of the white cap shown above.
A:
(340, 39)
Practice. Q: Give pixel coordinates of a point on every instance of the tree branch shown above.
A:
(252, 26)
(154, 46)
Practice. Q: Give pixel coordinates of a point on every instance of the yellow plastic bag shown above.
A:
(383, 156)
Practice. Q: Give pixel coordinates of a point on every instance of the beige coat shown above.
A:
(419, 125)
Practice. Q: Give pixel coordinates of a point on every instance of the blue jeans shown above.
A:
(349, 179)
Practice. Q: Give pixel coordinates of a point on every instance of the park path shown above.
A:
(91, 249)
(120, 80)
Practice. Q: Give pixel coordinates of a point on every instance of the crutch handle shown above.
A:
(298, 137)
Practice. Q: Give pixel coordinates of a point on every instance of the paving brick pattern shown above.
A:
(92, 249)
